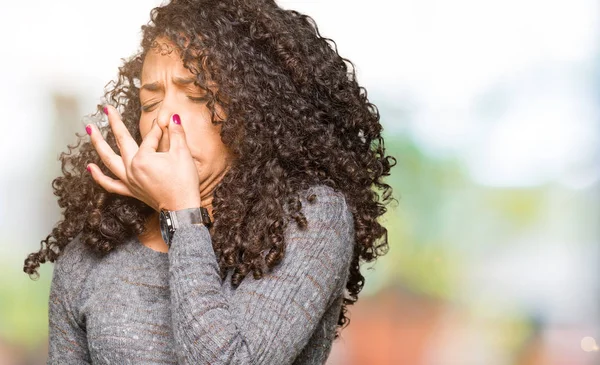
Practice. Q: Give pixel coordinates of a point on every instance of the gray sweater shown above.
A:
(140, 306)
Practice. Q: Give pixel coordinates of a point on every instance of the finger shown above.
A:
(109, 184)
(177, 139)
(127, 145)
(110, 159)
(151, 139)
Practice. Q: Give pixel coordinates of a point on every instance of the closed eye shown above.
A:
(147, 108)
(201, 99)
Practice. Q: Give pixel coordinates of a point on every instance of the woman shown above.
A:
(238, 119)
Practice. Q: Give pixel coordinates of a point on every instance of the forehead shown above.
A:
(163, 57)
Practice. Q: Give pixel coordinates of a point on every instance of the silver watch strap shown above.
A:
(186, 216)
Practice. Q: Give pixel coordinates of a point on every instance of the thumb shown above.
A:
(177, 139)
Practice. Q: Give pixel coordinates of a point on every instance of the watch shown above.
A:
(171, 220)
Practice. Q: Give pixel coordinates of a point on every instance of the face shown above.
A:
(167, 88)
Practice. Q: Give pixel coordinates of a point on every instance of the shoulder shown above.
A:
(323, 249)
(324, 191)
(329, 218)
(74, 263)
(325, 203)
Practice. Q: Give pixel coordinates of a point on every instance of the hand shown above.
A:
(163, 180)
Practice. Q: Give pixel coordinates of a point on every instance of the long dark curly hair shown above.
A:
(295, 117)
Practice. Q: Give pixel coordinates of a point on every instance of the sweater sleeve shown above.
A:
(67, 340)
(266, 321)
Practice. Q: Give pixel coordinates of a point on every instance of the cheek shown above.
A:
(206, 146)
(144, 127)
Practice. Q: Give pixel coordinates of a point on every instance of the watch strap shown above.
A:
(171, 220)
(197, 215)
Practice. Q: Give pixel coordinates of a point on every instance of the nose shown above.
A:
(163, 118)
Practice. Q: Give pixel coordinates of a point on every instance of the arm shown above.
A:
(67, 341)
(266, 321)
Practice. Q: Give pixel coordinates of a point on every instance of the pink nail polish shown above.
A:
(176, 119)
(105, 110)
(88, 129)
(89, 169)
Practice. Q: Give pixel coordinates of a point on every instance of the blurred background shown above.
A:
(491, 109)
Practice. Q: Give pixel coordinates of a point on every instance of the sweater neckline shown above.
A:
(147, 252)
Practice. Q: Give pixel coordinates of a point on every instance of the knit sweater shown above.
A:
(136, 305)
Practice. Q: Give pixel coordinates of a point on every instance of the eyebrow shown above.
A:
(179, 81)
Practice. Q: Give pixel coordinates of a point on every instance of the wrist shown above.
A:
(180, 205)
(172, 220)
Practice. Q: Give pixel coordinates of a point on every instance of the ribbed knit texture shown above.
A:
(140, 306)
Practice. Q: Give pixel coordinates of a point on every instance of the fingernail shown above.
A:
(105, 110)
(88, 129)
(89, 169)
(176, 119)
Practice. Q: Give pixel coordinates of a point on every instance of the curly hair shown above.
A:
(295, 117)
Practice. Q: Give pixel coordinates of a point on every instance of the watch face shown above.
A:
(164, 227)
